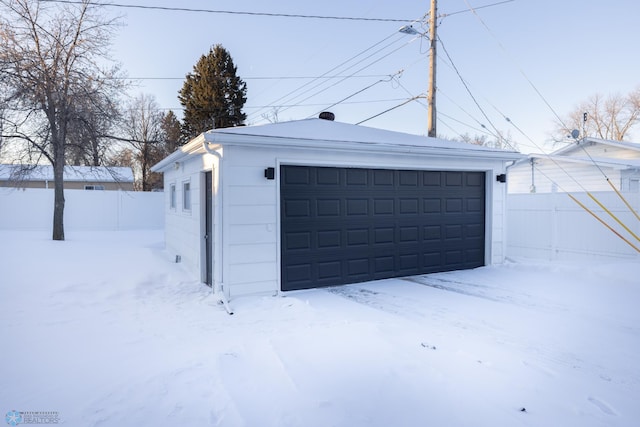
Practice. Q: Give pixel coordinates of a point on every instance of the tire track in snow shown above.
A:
(541, 357)
(490, 293)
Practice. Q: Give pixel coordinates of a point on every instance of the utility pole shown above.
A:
(431, 94)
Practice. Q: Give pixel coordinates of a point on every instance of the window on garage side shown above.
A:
(186, 196)
(172, 196)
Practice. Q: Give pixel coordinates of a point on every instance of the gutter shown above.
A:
(218, 285)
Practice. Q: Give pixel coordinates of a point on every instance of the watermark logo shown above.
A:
(14, 418)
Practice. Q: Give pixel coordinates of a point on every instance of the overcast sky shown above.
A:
(566, 50)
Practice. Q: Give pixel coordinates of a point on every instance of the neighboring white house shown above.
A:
(581, 166)
(310, 203)
(75, 177)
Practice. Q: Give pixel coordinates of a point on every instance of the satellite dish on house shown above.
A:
(575, 134)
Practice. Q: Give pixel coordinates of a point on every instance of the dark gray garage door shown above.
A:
(348, 225)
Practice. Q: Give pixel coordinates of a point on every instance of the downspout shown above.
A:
(218, 287)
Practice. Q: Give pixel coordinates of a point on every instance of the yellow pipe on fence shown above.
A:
(612, 215)
(623, 199)
(604, 223)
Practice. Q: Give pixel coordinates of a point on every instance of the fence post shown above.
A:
(554, 225)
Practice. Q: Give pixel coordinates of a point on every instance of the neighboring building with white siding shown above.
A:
(582, 166)
(75, 177)
(295, 205)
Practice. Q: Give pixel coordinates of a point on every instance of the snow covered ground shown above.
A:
(105, 330)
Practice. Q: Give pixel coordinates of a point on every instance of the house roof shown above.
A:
(600, 161)
(584, 141)
(327, 134)
(71, 173)
(562, 155)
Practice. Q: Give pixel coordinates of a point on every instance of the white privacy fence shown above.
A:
(84, 210)
(552, 226)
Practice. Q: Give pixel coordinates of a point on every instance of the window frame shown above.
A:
(172, 196)
(186, 196)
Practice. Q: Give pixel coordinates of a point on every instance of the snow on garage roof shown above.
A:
(327, 134)
(328, 130)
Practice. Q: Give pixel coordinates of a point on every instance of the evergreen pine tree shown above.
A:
(212, 95)
(172, 132)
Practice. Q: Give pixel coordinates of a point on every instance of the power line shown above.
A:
(228, 12)
(390, 78)
(290, 96)
(444, 15)
(357, 71)
(464, 83)
(526, 77)
(255, 78)
(317, 104)
(391, 109)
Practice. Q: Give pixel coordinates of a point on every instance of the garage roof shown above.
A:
(327, 134)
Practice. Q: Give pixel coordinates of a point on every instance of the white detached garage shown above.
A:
(311, 203)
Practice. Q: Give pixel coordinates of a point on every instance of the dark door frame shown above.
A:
(208, 228)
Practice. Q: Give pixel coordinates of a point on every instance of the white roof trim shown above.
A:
(618, 144)
(608, 162)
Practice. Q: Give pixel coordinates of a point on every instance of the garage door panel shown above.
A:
(357, 207)
(328, 207)
(346, 225)
(453, 179)
(431, 206)
(408, 178)
(327, 176)
(432, 179)
(330, 270)
(383, 207)
(358, 237)
(384, 265)
(453, 206)
(357, 177)
(383, 178)
(300, 176)
(297, 208)
(297, 241)
(358, 267)
(329, 239)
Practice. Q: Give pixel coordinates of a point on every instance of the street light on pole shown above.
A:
(431, 93)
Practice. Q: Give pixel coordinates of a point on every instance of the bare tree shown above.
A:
(49, 56)
(272, 116)
(90, 129)
(143, 129)
(610, 118)
(501, 141)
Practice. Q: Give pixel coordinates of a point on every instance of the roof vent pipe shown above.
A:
(327, 115)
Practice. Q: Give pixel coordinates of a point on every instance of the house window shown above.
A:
(94, 187)
(172, 196)
(186, 196)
